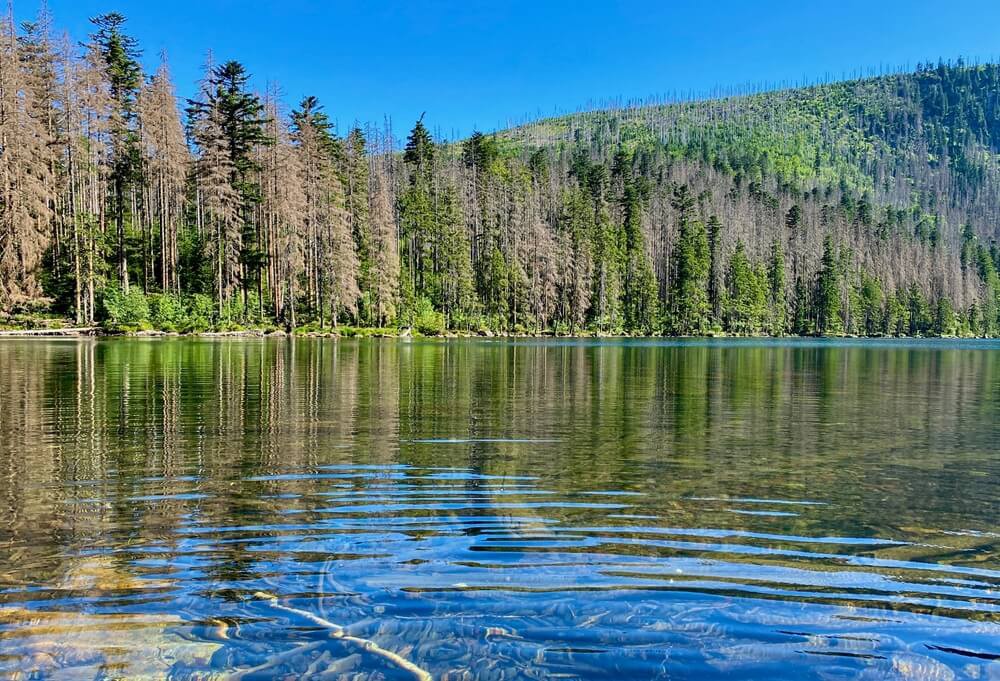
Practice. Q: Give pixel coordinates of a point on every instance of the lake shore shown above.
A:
(355, 332)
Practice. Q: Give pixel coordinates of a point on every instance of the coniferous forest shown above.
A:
(865, 207)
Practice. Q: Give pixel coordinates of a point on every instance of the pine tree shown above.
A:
(871, 304)
(576, 265)
(715, 269)
(418, 222)
(802, 324)
(356, 181)
(640, 289)
(746, 294)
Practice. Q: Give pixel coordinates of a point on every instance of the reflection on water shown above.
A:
(499, 510)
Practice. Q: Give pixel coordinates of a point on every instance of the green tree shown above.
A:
(919, 312)
(802, 324)
(990, 308)
(119, 54)
(356, 180)
(692, 267)
(436, 252)
(777, 306)
(828, 293)
(945, 320)
(870, 305)
(715, 276)
(238, 116)
(746, 294)
(897, 315)
(640, 290)
(417, 218)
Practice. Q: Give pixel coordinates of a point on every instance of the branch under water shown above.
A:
(338, 632)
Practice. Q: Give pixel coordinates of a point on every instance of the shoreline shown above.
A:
(406, 334)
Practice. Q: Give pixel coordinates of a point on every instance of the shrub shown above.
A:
(166, 311)
(427, 320)
(200, 312)
(125, 311)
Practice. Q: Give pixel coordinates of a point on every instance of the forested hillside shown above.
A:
(864, 207)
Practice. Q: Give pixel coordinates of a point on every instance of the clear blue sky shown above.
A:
(477, 65)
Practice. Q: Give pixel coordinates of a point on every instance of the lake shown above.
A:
(275, 508)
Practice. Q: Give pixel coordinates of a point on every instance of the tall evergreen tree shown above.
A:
(746, 294)
(228, 126)
(777, 307)
(119, 55)
(715, 268)
(640, 289)
(692, 269)
(828, 294)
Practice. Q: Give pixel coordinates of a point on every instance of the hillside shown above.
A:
(863, 207)
(896, 175)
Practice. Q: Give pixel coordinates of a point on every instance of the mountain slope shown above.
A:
(901, 172)
(902, 138)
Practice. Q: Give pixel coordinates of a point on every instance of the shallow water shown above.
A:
(499, 510)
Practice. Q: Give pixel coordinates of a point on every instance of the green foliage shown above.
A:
(919, 310)
(200, 313)
(870, 303)
(946, 323)
(582, 224)
(166, 311)
(828, 292)
(641, 295)
(777, 308)
(124, 311)
(692, 261)
(897, 316)
(427, 320)
(746, 295)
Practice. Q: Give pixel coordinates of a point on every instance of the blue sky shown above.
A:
(479, 65)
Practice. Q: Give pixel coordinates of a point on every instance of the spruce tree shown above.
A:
(356, 181)
(828, 295)
(119, 56)
(235, 117)
(715, 273)
(691, 271)
(777, 308)
(640, 289)
(746, 294)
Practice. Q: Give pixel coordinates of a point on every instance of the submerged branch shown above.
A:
(338, 632)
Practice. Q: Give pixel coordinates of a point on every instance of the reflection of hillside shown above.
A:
(880, 431)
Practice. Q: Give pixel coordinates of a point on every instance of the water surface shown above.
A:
(499, 510)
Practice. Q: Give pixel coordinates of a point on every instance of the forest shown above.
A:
(864, 207)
